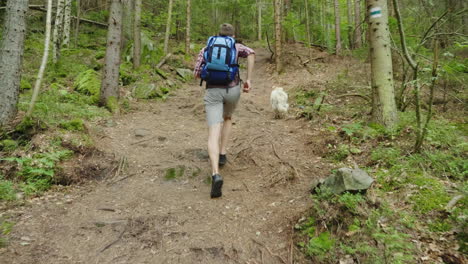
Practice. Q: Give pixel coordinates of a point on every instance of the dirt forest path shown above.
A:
(139, 216)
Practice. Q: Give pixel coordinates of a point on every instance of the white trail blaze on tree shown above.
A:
(110, 78)
(384, 109)
(11, 56)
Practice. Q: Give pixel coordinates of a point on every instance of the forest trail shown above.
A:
(139, 216)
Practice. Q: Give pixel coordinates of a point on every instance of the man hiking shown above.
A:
(217, 65)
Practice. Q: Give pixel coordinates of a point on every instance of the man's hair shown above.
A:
(226, 30)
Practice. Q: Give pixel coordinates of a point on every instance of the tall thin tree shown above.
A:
(110, 78)
(168, 27)
(357, 24)
(11, 57)
(67, 23)
(278, 36)
(45, 56)
(77, 23)
(337, 27)
(187, 27)
(58, 30)
(384, 110)
(306, 8)
(350, 19)
(259, 19)
(137, 37)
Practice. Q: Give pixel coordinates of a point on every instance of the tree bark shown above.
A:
(168, 27)
(11, 57)
(278, 55)
(127, 22)
(58, 30)
(77, 23)
(67, 23)
(306, 7)
(349, 5)
(337, 27)
(45, 56)
(187, 27)
(259, 19)
(110, 78)
(357, 24)
(384, 109)
(137, 37)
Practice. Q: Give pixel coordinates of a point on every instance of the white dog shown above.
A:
(279, 102)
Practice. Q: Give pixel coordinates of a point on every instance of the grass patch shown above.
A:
(174, 173)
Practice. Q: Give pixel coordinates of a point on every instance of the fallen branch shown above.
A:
(284, 161)
(163, 60)
(42, 9)
(269, 251)
(141, 141)
(115, 241)
(365, 97)
(123, 178)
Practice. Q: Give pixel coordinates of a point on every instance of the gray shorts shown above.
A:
(220, 103)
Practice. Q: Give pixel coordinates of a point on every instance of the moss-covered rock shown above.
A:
(8, 144)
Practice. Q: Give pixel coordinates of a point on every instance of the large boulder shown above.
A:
(346, 179)
(186, 74)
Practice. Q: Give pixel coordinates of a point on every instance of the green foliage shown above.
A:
(25, 84)
(127, 75)
(88, 83)
(351, 201)
(38, 171)
(320, 245)
(8, 145)
(174, 173)
(5, 229)
(7, 191)
(73, 125)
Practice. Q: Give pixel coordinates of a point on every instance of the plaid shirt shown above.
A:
(242, 52)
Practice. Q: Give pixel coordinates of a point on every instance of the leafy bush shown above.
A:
(320, 245)
(88, 83)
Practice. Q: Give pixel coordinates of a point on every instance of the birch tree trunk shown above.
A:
(278, 55)
(384, 109)
(67, 23)
(337, 27)
(168, 28)
(11, 57)
(77, 25)
(110, 78)
(58, 30)
(137, 36)
(187, 27)
(357, 24)
(45, 56)
(349, 7)
(259, 19)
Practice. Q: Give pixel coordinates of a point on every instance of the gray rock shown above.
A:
(141, 132)
(347, 179)
(184, 73)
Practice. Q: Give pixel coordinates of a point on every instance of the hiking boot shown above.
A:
(216, 185)
(222, 160)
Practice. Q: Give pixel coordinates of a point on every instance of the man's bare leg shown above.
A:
(214, 134)
(225, 132)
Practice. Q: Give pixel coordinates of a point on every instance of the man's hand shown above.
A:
(247, 86)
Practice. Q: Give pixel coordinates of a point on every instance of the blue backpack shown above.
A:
(220, 56)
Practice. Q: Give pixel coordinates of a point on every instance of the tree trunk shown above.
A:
(306, 5)
(384, 109)
(259, 19)
(58, 30)
(337, 27)
(357, 24)
(45, 56)
(327, 25)
(67, 23)
(77, 25)
(137, 37)
(110, 78)
(187, 27)
(349, 5)
(127, 22)
(11, 56)
(168, 27)
(278, 55)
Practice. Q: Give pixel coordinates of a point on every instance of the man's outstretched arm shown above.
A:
(250, 66)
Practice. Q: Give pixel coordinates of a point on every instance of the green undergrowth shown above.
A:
(409, 200)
